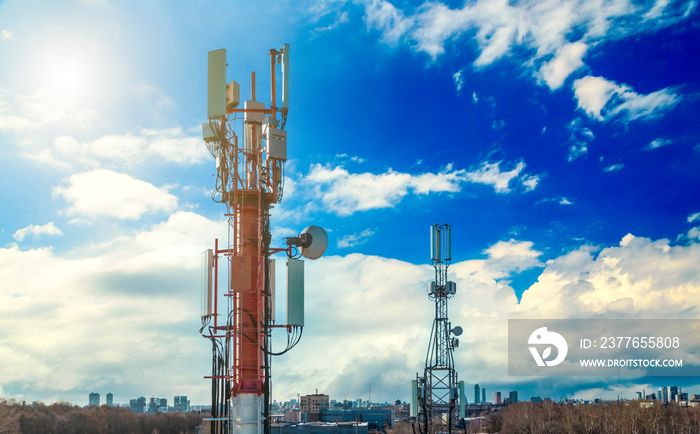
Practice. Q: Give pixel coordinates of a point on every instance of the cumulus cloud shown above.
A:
(131, 304)
(568, 59)
(105, 193)
(36, 231)
(139, 295)
(491, 174)
(171, 145)
(603, 100)
(638, 278)
(345, 193)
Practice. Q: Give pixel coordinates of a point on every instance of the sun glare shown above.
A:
(66, 79)
(67, 74)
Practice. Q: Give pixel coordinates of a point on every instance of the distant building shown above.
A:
(476, 393)
(181, 404)
(94, 399)
(110, 399)
(673, 393)
(157, 405)
(639, 396)
(376, 418)
(536, 399)
(483, 394)
(513, 397)
(497, 398)
(138, 405)
(311, 405)
(663, 394)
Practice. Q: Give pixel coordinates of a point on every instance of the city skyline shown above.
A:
(558, 139)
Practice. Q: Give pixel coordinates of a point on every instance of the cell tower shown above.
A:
(250, 148)
(434, 396)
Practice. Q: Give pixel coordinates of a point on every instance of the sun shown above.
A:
(67, 75)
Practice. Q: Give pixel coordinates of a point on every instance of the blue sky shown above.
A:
(558, 138)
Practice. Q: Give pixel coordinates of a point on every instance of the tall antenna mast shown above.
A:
(435, 394)
(250, 148)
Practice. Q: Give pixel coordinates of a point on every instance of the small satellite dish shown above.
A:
(314, 241)
(457, 331)
(455, 343)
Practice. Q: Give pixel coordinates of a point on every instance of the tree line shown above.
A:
(67, 418)
(626, 417)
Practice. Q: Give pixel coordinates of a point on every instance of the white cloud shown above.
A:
(345, 193)
(36, 231)
(658, 143)
(614, 167)
(382, 15)
(105, 193)
(139, 290)
(491, 174)
(513, 256)
(459, 81)
(603, 100)
(543, 27)
(355, 239)
(171, 145)
(342, 18)
(593, 93)
(693, 217)
(560, 200)
(132, 302)
(647, 276)
(568, 59)
(351, 158)
(7, 35)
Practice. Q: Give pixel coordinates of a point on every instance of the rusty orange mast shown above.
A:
(250, 148)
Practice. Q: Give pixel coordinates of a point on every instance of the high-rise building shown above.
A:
(94, 399)
(483, 394)
(513, 397)
(497, 398)
(138, 405)
(313, 404)
(674, 393)
(181, 404)
(639, 396)
(477, 392)
(110, 399)
(663, 394)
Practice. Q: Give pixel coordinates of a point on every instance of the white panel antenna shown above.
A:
(285, 76)
(207, 268)
(216, 84)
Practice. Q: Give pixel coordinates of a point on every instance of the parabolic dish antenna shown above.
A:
(457, 331)
(315, 241)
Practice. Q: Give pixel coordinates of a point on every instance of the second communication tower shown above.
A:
(437, 397)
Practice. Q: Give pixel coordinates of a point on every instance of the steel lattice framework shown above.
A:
(438, 396)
